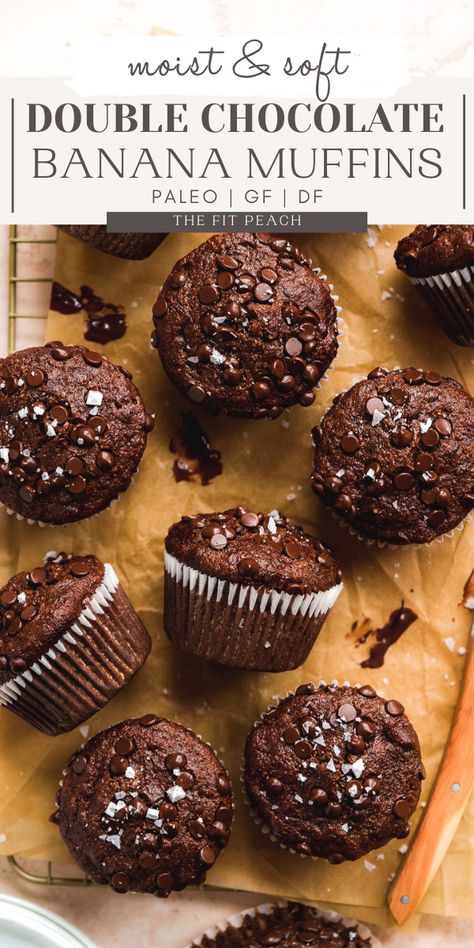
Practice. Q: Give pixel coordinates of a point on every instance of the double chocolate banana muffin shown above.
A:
(69, 641)
(245, 326)
(73, 429)
(439, 260)
(129, 246)
(334, 771)
(394, 456)
(286, 926)
(145, 806)
(247, 590)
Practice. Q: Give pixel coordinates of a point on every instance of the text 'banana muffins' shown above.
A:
(245, 326)
(247, 590)
(439, 260)
(394, 456)
(129, 246)
(69, 640)
(287, 925)
(145, 806)
(73, 429)
(334, 771)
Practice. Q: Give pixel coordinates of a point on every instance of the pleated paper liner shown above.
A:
(451, 297)
(86, 667)
(240, 625)
(241, 929)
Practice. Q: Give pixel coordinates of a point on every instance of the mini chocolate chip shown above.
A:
(394, 708)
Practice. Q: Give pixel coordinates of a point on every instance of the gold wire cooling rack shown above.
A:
(14, 280)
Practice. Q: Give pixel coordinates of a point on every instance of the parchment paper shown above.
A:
(266, 465)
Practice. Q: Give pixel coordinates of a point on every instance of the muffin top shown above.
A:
(436, 248)
(394, 455)
(334, 771)
(287, 926)
(241, 546)
(73, 429)
(245, 326)
(40, 606)
(145, 806)
(128, 245)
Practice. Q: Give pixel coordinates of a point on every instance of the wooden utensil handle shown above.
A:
(445, 808)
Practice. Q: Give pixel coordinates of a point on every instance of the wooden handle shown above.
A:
(445, 808)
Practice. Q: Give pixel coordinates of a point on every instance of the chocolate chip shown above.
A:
(268, 275)
(433, 378)
(8, 597)
(77, 485)
(146, 860)
(226, 262)
(347, 712)
(248, 567)
(225, 280)
(397, 395)
(319, 796)
(59, 413)
(350, 444)
(164, 881)
(196, 829)
(366, 730)
(443, 426)
(291, 734)
(120, 881)
(249, 520)
(185, 780)
(430, 438)
(436, 519)
(404, 480)
(374, 404)
(27, 493)
(148, 719)
(293, 346)
(176, 761)
(99, 424)
(196, 393)
(208, 294)
(37, 577)
(118, 765)
(177, 279)
(80, 568)
(423, 462)
(292, 549)
(160, 308)
(401, 437)
(28, 613)
(367, 691)
(263, 293)
(402, 809)
(35, 377)
(412, 375)
(224, 814)
(207, 856)
(60, 354)
(124, 747)
(74, 466)
(218, 541)
(92, 358)
(303, 749)
(394, 708)
(105, 460)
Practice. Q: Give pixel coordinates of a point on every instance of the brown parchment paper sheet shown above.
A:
(266, 465)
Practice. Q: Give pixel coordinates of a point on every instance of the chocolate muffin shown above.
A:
(69, 641)
(439, 260)
(245, 326)
(334, 771)
(286, 925)
(130, 246)
(73, 429)
(394, 456)
(247, 590)
(145, 806)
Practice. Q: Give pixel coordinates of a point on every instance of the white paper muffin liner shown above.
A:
(451, 296)
(240, 625)
(374, 541)
(87, 665)
(267, 908)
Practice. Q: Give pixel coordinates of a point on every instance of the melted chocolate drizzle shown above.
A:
(195, 454)
(398, 623)
(105, 321)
